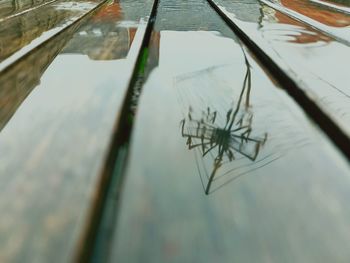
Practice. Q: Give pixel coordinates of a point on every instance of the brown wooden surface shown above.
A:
(10, 8)
(223, 165)
(54, 143)
(16, 84)
(278, 189)
(21, 34)
(315, 61)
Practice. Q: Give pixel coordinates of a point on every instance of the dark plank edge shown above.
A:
(116, 151)
(68, 33)
(345, 10)
(331, 129)
(17, 56)
(26, 10)
(303, 19)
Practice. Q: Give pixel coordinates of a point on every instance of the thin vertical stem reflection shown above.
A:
(225, 142)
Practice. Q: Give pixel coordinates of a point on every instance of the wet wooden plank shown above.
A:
(10, 9)
(308, 56)
(29, 30)
(16, 84)
(343, 6)
(211, 118)
(54, 146)
(329, 21)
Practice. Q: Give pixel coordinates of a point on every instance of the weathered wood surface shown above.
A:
(12, 8)
(22, 34)
(16, 83)
(53, 145)
(224, 166)
(342, 6)
(317, 62)
(330, 21)
(211, 119)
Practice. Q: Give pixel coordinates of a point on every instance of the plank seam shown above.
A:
(120, 137)
(305, 20)
(17, 56)
(329, 127)
(26, 11)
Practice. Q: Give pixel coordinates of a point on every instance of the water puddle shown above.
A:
(106, 37)
(59, 106)
(100, 39)
(27, 31)
(321, 17)
(319, 11)
(308, 56)
(206, 179)
(10, 8)
(341, 6)
(336, 2)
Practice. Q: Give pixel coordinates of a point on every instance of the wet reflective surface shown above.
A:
(320, 12)
(9, 8)
(338, 2)
(224, 166)
(307, 55)
(20, 31)
(330, 21)
(58, 111)
(342, 6)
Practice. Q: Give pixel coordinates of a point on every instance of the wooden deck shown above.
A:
(174, 131)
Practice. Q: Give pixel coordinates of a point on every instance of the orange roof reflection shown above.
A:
(112, 11)
(323, 15)
(306, 36)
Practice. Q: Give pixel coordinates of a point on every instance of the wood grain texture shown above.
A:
(280, 189)
(29, 30)
(53, 143)
(316, 62)
(10, 8)
(16, 84)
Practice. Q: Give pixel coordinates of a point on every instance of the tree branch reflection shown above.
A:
(224, 142)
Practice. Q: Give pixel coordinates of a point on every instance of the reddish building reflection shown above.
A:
(306, 36)
(103, 38)
(100, 38)
(324, 15)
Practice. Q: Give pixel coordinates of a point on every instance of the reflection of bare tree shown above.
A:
(227, 141)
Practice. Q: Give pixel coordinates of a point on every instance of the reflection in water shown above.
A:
(224, 143)
(17, 82)
(23, 29)
(267, 18)
(149, 61)
(102, 38)
(324, 19)
(341, 7)
(339, 2)
(319, 13)
(10, 7)
(330, 85)
(179, 16)
(305, 54)
(298, 34)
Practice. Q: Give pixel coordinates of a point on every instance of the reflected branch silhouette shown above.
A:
(224, 142)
